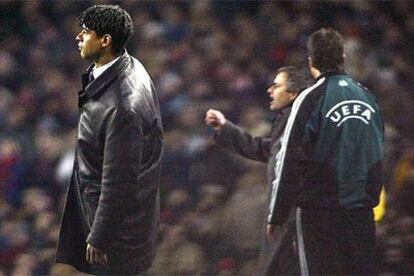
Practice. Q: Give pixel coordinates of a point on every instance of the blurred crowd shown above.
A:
(200, 54)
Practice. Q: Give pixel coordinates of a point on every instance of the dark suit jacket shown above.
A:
(262, 149)
(112, 201)
(276, 257)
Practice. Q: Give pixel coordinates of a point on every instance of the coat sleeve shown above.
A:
(239, 141)
(294, 157)
(120, 172)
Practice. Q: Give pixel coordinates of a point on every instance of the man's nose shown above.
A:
(78, 37)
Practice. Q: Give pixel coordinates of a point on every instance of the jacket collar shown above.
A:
(282, 113)
(286, 110)
(99, 84)
(328, 74)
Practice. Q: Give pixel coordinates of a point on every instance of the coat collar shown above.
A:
(286, 111)
(282, 113)
(328, 74)
(97, 86)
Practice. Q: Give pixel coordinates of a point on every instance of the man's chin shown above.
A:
(84, 56)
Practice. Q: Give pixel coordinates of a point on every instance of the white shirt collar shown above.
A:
(98, 71)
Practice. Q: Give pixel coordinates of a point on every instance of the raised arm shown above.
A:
(234, 138)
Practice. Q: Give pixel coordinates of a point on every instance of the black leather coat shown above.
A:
(113, 197)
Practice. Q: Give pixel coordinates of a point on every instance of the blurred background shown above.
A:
(200, 54)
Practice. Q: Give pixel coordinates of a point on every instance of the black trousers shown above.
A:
(336, 242)
(283, 258)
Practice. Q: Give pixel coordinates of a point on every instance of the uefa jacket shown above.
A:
(332, 150)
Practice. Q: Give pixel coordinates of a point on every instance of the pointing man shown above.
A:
(287, 85)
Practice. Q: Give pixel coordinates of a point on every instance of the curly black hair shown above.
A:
(109, 19)
(297, 78)
(326, 49)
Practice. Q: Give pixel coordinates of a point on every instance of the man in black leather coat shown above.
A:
(277, 256)
(110, 221)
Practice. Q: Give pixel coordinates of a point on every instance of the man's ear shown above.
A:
(106, 40)
(313, 70)
(310, 62)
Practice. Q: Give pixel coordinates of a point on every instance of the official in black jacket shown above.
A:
(110, 220)
(277, 255)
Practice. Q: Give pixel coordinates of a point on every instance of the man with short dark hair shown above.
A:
(277, 256)
(110, 220)
(330, 166)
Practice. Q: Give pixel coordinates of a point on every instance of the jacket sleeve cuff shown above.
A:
(96, 242)
(280, 216)
(272, 220)
(223, 136)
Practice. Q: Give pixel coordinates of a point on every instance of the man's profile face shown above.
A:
(90, 45)
(279, 94)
